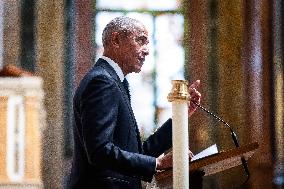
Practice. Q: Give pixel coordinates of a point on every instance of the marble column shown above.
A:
(236, 47)
(257, 87)
(49, 61)
(216, 38)
(278, 91)
(83, 47)
(230, 85)
(196, 42)
(230, 96)
(1, 33)
(11, 31)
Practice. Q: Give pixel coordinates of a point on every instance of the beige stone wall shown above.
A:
(3, 123)
(21, 122)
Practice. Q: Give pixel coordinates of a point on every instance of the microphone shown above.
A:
(233, 134)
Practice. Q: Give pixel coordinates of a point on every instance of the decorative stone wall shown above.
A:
(21, 121)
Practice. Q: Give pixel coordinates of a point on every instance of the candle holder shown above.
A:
(179, 91)
(179, 97)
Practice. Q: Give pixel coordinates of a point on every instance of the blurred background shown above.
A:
(234, 47)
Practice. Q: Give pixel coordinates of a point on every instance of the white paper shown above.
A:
(207, 152)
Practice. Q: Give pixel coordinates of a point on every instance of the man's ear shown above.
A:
(115, 41)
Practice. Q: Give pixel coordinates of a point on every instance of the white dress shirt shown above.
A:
(115, 66)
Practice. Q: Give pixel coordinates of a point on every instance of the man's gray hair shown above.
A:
(121, 24)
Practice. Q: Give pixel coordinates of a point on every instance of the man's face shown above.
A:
(134, 49)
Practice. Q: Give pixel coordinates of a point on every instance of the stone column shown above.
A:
(49, 61)
(83, 47)
(197, 45)
(278, 93)
(230, 88)
(11, 33)
(1, 33)
(257, 87)
(230, 96)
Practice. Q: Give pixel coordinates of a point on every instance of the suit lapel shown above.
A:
(101, 62)
(110, 70)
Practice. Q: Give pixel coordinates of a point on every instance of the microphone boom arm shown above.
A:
(233, 134)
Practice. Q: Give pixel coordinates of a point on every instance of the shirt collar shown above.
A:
(115, 66)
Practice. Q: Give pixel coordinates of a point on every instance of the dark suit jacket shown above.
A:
(108, 151)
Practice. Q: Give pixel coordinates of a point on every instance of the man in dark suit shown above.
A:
(108, 151)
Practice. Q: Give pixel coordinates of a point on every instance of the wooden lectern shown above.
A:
(211, 164)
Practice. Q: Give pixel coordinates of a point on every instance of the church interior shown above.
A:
(235, 48)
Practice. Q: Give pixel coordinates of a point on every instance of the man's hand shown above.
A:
(166, 161)
(195, 96)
